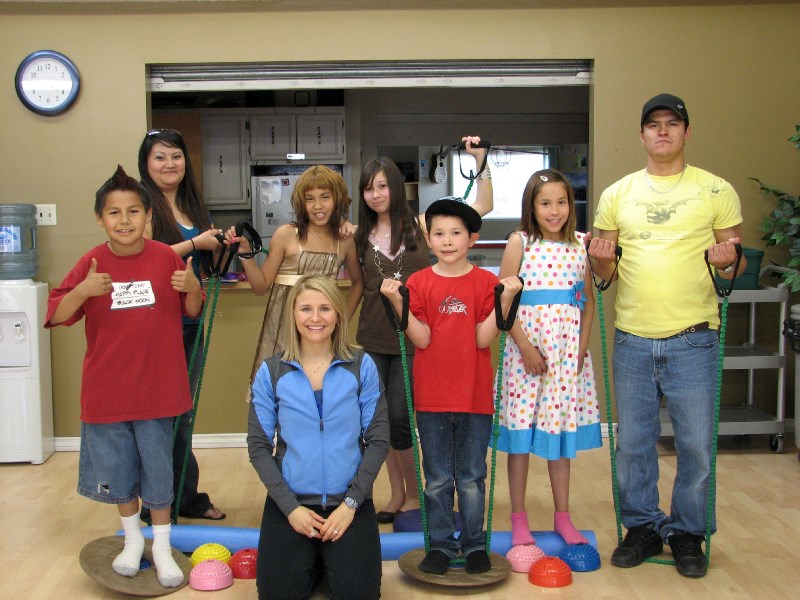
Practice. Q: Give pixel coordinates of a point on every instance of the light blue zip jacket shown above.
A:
(318, 460)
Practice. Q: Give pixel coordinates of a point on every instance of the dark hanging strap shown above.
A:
(226, 255)
(507, 323)
(463, 146)
(603, 285)
(722, 292)
(252, 235)
(401, 323)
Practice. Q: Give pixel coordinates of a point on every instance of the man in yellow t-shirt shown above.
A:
(665, 342)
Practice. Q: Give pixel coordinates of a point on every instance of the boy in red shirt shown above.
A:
(132, 292)
(452, 324)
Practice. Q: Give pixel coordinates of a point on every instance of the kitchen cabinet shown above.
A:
(745, 417)
(272, 137)
(225, 165)
(317, 135)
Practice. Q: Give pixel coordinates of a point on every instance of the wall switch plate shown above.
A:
(45, 214)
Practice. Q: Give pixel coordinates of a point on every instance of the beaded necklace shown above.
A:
(376, 246)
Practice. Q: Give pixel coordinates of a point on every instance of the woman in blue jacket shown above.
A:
(322, 400)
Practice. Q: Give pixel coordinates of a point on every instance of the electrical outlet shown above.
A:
(45, 214)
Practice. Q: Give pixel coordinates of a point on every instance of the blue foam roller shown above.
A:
(394, 545)
(187, 538)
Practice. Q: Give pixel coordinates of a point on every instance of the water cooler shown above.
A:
(26, 391)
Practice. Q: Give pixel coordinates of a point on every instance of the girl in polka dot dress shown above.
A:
(549, 400)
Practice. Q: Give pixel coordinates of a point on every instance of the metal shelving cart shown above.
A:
(747, 418)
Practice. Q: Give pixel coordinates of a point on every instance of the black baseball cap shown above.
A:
(668, 101)
(453, 206)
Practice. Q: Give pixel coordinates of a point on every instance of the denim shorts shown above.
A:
(120, 462)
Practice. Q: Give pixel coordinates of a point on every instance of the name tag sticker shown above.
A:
(132, 294)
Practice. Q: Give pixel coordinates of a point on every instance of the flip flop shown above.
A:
(385, 516)
(212, 509)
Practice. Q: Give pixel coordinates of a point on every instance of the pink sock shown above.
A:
(520, 530)
(564, 527)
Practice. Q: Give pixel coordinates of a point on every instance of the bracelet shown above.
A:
(193, 246)
(728, 269)
(485, 174)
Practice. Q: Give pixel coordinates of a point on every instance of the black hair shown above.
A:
(189, 200)
(120, 181)
(405, 226)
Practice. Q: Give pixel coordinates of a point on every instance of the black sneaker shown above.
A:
(435, 562)
(640, 542)
(478, 562)
(688, 554)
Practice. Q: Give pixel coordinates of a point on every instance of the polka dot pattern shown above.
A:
(562, 400)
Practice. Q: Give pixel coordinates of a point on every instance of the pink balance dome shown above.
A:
(523, 556)
(211, 575)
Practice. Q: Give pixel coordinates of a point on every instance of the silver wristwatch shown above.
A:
(350, 503)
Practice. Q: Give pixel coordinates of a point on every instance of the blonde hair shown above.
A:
(340, 340)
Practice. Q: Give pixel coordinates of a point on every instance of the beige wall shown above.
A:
(735, 66)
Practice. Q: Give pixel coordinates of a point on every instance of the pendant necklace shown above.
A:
(376, 247)
(319, 366)
(671, 188)
(331, 254)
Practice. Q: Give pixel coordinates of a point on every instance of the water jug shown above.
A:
(18, 255)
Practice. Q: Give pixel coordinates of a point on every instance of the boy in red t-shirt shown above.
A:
(132, 292)
(452, 324)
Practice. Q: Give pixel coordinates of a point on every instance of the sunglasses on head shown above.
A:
(159, 131)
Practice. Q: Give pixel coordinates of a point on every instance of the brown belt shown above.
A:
(696, 327)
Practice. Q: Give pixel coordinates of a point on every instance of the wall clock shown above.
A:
(47, 82)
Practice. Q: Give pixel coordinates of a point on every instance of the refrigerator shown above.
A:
(272, 205)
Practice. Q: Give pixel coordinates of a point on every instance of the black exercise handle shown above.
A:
(482, 144)
(507, 323)
(463, 146)
(721, 291)
(253, 237)
(400, 324)
(228, 252)
(603, 285)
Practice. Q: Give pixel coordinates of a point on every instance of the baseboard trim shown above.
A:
(239, 440)
(200, 440)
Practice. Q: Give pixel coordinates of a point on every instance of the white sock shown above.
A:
(127, 562)
(169, 573)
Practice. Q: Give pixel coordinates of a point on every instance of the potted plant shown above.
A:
(782, 226)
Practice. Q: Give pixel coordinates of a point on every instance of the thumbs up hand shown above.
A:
(184, 280)
(95, 284)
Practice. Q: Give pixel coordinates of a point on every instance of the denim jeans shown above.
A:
(682, 369)
(126, 460)
(454, 459)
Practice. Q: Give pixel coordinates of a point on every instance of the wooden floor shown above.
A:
(756, 553)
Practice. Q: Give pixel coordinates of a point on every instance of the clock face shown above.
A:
(47, 82)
